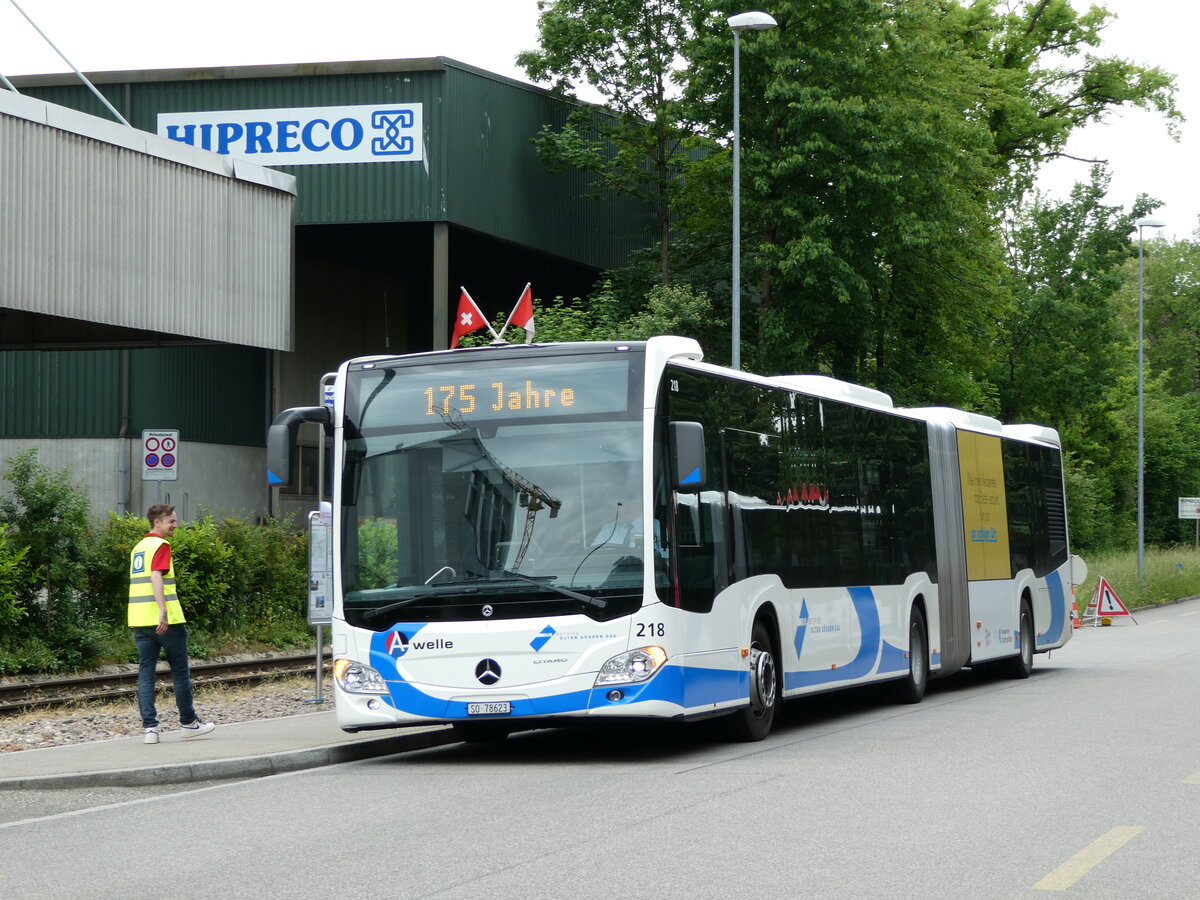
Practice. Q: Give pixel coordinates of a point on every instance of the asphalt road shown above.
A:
(1083, 781)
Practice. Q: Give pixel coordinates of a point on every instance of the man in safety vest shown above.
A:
(157, 622)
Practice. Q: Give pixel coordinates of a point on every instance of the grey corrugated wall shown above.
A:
(113, 225)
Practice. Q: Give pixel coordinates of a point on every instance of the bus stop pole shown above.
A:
(320, 658)
(320, 496)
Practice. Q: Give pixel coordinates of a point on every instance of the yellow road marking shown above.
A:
(1194, 612)
(1088, 858)
(1192, 779)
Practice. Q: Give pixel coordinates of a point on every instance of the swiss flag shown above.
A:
(468, 319)
(522, 314)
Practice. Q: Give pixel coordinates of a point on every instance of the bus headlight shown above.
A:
(632, 667)
(356, 678)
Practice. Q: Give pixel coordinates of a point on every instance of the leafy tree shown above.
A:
(1045, 82)
(1171, 374)
(881, 144)
(865, 191)
(628, 52)
(1172, 311)
(1062, 339)
(1172, 470)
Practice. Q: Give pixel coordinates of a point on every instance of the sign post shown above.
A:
(320, 580)
(160, 455)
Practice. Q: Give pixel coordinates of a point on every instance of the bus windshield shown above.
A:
(513, 485)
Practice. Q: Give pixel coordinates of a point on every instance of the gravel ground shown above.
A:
(100, 721)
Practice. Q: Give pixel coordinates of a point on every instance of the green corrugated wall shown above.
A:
(212, 394)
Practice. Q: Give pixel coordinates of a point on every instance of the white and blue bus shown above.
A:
(529, 534)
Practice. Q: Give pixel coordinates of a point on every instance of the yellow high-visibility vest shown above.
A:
(143, 609)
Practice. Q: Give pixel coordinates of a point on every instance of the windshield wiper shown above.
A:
(478, 586)
(400, 604)
(596, 602)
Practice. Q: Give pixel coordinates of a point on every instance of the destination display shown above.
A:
(528, 389)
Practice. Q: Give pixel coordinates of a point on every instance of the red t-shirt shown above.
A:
(162, 556)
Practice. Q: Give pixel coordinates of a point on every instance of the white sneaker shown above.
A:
(151, 736)
(197, 728)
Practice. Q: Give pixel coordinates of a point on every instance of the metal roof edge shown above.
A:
(284, 70)
(144, 142)
(230, 73)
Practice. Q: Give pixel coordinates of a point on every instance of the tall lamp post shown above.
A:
(1141, 426)
(748, 21)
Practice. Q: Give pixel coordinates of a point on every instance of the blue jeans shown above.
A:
(174, 642)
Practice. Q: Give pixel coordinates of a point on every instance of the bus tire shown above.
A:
(911, 688)
(481, 732)
(1021, 665)
(754, 722)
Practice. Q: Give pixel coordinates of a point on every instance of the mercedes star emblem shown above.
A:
(487, 609)
(488, 671)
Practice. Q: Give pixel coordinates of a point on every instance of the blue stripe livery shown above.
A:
(871, 649)
(1058, 609)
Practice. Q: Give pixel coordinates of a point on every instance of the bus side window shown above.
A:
(699, 562)
(687, 520)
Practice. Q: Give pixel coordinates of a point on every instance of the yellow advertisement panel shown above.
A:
(985, 513)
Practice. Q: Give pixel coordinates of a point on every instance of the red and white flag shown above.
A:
(522, 315)
(468, 319)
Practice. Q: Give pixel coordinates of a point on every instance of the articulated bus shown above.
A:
(526, 535)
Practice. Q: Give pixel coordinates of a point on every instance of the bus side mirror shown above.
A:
(281, 442)
(688, 470)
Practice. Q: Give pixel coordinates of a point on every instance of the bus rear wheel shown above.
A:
(1021, 665)
(754, 722)
(911, 688)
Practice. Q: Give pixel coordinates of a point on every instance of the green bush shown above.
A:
(16, 579)
(50, 517)
(64, 578)
(204, 572)
(269, 585)
(106, 591)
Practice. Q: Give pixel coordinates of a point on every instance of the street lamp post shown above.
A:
(748, 21)
(1141, 425)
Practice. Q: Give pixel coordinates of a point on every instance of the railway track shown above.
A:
(21, 696)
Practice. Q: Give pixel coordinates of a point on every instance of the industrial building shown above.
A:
(190, 276)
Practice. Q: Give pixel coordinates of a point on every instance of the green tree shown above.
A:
(1062, 340)
(1171, 374)
(1172, 310)
(627, 51)
(865, 192)
(1045, 82)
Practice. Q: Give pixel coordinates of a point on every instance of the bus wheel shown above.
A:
(1021, 665)
(753, 723)
(481, 732)
(911, 688)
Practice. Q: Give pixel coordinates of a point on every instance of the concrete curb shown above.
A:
(237, 767)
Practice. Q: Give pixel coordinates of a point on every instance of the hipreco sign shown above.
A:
(309, 136)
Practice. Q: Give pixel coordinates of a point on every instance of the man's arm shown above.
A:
(156, 582)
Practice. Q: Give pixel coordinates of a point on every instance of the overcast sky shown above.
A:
(108, 35)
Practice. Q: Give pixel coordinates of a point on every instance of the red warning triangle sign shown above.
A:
(1107, 601)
